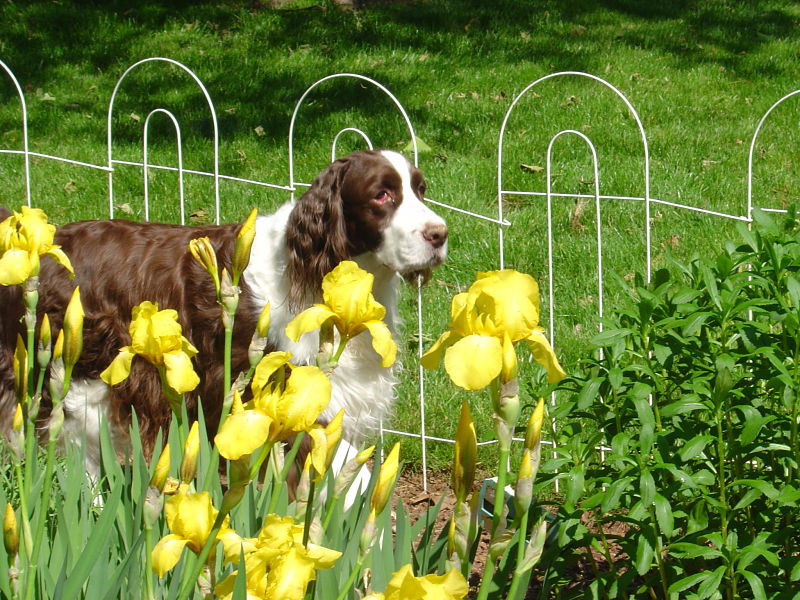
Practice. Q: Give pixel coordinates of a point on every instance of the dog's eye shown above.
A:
(382, 197)
(422, 190)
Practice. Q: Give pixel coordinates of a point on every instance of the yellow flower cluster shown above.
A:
(25, 237)
(404, 585)
(278, 565)
(500, 309)
(190, 518)
(156, 335)
(351, 307)
(278, 410)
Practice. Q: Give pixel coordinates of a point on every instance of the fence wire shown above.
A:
(500, 221)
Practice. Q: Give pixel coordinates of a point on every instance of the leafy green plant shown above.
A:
(692, 398)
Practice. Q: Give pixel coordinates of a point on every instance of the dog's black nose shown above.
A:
(435, 234)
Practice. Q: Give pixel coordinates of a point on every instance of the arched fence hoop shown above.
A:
(751, 153)
(502, 192)
(25, 145)
(146, 164)
(293, 121)
(215, 124)
(356, 130)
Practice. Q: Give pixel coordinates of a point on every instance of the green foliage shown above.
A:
(693, 396)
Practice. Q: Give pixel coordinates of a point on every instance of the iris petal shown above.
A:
(15, 267)
(308, 320)
(180, 373)
(382, 342)
(544, 355)
(167, 553)
(242, 433)
(120, 367)
(474, 361)
(432, 358)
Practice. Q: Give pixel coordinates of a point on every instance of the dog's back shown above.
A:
(117, 265)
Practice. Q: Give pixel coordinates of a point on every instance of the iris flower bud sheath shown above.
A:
(191, 449)
(73, 330)
(387, 476)
(523, 491)
(259, 340)
(10, 533)
(465, 454)
(347, 475)
(161, 470)
(203, 252)
(16, 422)
(238, 479)
(44, 351)
(229, 297)
(244, 242)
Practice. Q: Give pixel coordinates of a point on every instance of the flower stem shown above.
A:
(226, 390)
(148, 561)
(309, 512)
(44, 504)
(353, 574)
(522, 530)
(486, 580)
(279, 478)
(193, 571)
(23, 505)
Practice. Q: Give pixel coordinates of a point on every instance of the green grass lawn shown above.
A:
(700, 74)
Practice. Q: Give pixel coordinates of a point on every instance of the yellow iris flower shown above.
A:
(24, 238)
(405, 586)
(351, 307)
(156, 336)
(278, 565)
(190, 518)
(500, 309)
(276, 411)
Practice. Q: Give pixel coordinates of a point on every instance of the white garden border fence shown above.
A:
(503, 194)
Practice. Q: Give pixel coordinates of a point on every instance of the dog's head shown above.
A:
(368, 202)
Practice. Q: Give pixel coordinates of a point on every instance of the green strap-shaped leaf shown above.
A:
(94, 546)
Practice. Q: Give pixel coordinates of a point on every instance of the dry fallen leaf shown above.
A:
(531, 168)
(200, 217)
(70, 186)
(260, 131)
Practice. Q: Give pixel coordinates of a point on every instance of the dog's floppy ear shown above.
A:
(316, 236)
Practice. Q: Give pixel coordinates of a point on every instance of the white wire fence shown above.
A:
(504, 194)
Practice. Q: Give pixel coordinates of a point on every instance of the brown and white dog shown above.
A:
(367, 206)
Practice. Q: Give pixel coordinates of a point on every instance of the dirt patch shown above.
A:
(416, 501)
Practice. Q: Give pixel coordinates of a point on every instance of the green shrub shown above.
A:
(692, 396)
